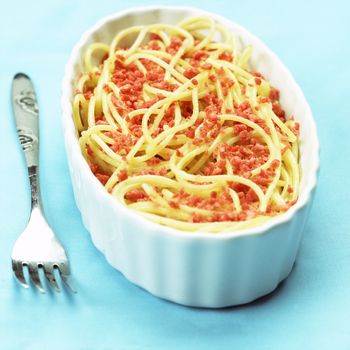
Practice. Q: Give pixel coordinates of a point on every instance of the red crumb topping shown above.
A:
(174, 46)
(274, 94)
(153, 161)
(241, 157)
(207, 66)
(191, 72)
(277, 109)
(136, 196)
(123, 175)
(213, 78)
(226, 56)
(99, 173)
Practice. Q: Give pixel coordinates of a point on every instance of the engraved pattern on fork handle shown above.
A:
(27, 113)
(34, 187)
(28, 134)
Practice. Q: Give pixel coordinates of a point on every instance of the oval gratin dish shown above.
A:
(194, 269)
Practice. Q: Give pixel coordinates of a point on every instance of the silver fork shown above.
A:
(37, 248)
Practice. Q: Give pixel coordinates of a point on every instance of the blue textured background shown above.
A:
(311, 310)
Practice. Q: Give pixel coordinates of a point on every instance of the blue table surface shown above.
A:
(308, 311)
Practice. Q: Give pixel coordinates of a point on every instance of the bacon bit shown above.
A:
(182, 194)
(211, 99)
(100, 175)
(226, 56)
(120, 57)
(161, 172)
(194, 201)
(274, 94)
(107, 88)
(285, 148)
(154, 36)
(212, 77)
(244, 157)
(198, 141)
(257, 81)
(153, 161)
(212, 121)
(277, 109)
(153, 45)
(217, 168)
(164, 85)
(269, 209)
(178, 153)
(155, 76)
(275, 164)
(122, 143)
(194, 81)
(99, 117)
(149, 103)
(186, 109)
(291, 203)
(136, 196)
(88, 95)
(199, 55)
(290, 189)
(251, 196)
(174, 205)
(242, 130)
(94, 168)
(231, 83)
(243, 109)
(296, 129)
(102, 178)
(130, 81)
(256, 74)
(101, 122)
(191, 72)
(174, 46)
(190, 133)
(136, 130)
(263, 178)
(221, 71)
(227, 83)
(123, 175)
(197, 218)
(89, 151)
(207, 66)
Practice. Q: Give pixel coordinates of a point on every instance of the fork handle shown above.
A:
(26, 112)
(34, 187)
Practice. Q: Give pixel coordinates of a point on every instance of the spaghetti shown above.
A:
(175, 126)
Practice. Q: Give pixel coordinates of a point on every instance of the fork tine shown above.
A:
(17, 268)
(65, 281)
(65, 276)
(49, 273)
(34, 275)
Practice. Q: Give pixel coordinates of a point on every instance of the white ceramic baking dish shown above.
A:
(197, 269)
